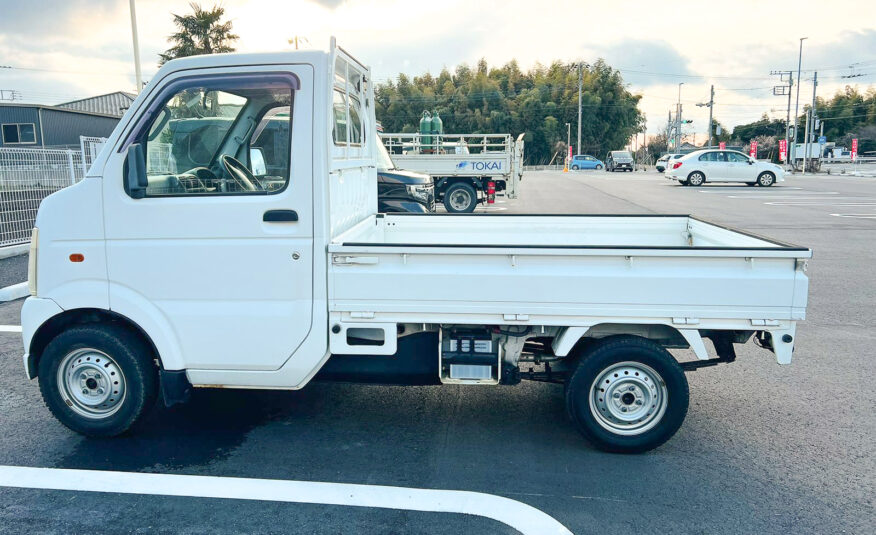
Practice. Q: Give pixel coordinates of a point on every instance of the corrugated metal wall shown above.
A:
(64, 127)
(21, 114)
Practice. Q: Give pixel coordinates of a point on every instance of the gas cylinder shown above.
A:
(437, 129)
(426, 130)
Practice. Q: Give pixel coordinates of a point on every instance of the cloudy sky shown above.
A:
(66, 49)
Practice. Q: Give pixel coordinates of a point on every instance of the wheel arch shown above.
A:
(60, 322)
(572, 339)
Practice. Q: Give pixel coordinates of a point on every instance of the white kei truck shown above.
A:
(466, 169)
(149, 278)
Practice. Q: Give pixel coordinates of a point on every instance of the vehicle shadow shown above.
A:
(206, 429)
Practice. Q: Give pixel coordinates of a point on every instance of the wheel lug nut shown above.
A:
(623, 409)
(638, 402)
(616, 394)
(85, 391)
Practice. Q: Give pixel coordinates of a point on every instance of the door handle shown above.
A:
(280, 216)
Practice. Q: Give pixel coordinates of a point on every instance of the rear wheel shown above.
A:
(627, 395)
(696, 178)
(460, 198)
(766, 179)
(98, 380)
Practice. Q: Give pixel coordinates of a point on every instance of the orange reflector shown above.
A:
(76, 257)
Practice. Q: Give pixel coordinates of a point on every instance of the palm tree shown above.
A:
(202, 32)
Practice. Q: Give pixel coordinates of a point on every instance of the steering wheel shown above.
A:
(239, 172)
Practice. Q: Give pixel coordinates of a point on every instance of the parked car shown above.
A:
(619, 159)
(699, 167)
(661, 162)
(584, 161)
(147, 284)
(399, 190)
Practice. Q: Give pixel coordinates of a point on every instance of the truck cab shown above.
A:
(253, 255)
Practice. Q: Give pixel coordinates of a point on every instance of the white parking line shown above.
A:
(524, 518)
(10, 328)
(856, 216)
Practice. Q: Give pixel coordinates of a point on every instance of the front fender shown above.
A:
(34, 313)
(152, 321)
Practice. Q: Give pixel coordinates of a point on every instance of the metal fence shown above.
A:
(27, 176)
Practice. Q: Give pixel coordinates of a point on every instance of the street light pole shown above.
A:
(797, 105)
(137, 73)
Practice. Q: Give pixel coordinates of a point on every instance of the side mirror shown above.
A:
(257, 161)
(750, 162)
(135, 171)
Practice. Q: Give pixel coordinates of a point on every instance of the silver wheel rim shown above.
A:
(91, 383)
(628, 398)
(766, 180)
(696, 179)
(460, 199)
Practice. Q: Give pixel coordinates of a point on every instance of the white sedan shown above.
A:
(710, 165)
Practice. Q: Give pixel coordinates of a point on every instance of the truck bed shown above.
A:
(563, 270)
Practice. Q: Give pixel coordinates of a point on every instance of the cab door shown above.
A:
(217, 249)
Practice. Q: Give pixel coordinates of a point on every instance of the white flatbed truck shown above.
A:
(462, 166)
(145, 284)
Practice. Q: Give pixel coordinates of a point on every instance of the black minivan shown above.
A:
(399, 190)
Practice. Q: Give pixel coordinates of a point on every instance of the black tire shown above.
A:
(460, 188)
(696, 178)
(602, 358)
(598, 167)
(127, 352)
(766, 179)
(574, 168)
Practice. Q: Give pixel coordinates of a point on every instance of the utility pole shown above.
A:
(810, 129)
(579, 107)
(710, 105)
(138, 75)
(678, 119)
(793, 150)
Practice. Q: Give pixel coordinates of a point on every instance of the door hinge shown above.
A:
(515, 317)
(686, 321)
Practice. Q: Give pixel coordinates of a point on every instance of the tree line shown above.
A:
(499, 100)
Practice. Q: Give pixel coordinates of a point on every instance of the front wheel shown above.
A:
(598, 167)
(574, 168)
(766, 179)
(98, 380)
(460, 198)
(627, 394)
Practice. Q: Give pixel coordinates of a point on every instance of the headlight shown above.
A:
(32, 262)
(420, 192)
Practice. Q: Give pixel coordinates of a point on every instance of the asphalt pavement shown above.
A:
(765, 448)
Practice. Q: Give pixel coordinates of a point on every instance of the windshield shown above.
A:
(621, 154)
(383, 159)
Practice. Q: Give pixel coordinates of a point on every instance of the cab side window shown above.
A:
(229, 136)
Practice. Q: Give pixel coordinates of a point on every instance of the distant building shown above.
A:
(115, 104)
(35, 126)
